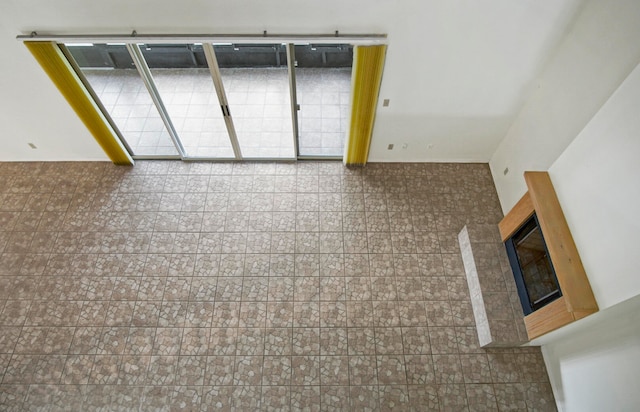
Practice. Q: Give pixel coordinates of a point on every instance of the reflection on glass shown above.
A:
(256, 81)
(323, 83)
(115, 80)
(186, 88)
(537, 270)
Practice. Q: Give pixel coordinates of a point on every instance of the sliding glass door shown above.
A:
(256, 80)
(221, 101)
(185, 85)
(323, 85)
(111, 73)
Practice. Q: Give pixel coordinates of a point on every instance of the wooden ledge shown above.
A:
(519, 214)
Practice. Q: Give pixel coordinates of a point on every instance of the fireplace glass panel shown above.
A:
(532, 267)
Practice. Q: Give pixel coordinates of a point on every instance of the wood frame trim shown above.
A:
(562, 249)
(577, 299)
(522, 211)
(548, 318)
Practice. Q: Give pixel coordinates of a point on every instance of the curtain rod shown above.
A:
(134, 37)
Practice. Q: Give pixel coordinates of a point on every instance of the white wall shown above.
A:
(582, 124)
(33, 111)
(594, 364)
(456, 71)
(597, 54)
(596, 180)
(597, 368)
(453, 59)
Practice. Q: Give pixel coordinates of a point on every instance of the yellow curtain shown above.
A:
(67, 81)
(367, 75)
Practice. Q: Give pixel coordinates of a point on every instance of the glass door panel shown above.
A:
(223, 101)
(183, 79)
(323, 86)
(256, 82)
(112, 75)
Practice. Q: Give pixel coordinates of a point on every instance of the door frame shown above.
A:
(132, 44)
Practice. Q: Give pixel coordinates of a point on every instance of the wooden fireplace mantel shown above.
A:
(577, 299)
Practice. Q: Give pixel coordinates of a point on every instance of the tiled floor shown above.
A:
(203, 286)
(259, 102)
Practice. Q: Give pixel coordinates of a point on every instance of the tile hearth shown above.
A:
(219, 286)
(494, 297)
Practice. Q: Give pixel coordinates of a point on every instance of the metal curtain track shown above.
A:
(134, 37)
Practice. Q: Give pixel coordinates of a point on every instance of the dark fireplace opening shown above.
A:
(532, 268)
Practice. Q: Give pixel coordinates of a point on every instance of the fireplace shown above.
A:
(553, 286)
(532, 267)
